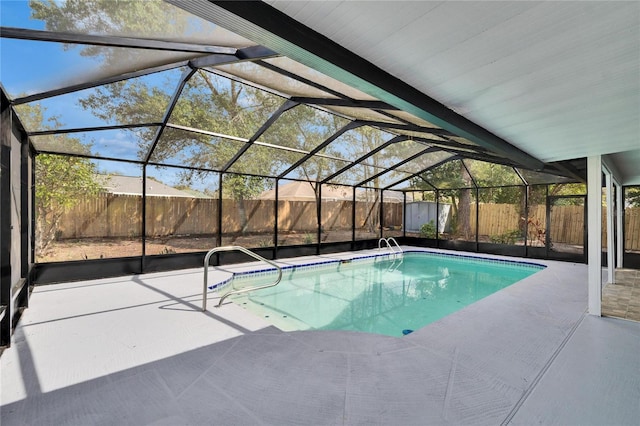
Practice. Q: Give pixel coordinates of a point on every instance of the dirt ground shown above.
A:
(86, 249)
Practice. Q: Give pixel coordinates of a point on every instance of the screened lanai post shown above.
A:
(594, 224)
(275, 220)
(619, 226)
(143, 225)
(437, 195)
(477, 218)
(381, 214)
(32, 210)
(353, 218)
(547, 226)
(24, 220)
(611, 264)
(318, 217)
(526, 219)
(524, 208)
(6, 308)
(404, 213)
(219, 236)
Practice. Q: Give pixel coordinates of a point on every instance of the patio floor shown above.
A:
(138, 350)
(622, 298)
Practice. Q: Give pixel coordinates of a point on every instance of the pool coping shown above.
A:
(248, 270)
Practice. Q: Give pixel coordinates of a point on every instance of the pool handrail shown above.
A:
(386, 240)
(396, 243)
(243, 290)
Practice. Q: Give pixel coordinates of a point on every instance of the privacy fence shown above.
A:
(120, 216)
(566, 222)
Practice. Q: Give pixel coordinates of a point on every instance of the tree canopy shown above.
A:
(59, 180)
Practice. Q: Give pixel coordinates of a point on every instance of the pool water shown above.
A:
(390, 296)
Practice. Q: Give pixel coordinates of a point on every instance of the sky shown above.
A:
(44, 66)
(16, 13)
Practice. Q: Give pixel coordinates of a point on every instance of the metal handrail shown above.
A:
(394, 242)
(243, 290)
(386, 240)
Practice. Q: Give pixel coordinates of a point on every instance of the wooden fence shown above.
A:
(567, 222)
(120, 216)
(632, 228)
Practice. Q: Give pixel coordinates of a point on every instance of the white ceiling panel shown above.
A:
(559, 80)
(627, 164)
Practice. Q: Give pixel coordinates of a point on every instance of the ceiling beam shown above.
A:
(268, 26)
(265, 126)
(399, 164)
(407, 127)
(350, 126)
(112, 41)
(343, 102)
(95, 83)
(419, 174)
(358, 162)
(186, 76)
(92, 129)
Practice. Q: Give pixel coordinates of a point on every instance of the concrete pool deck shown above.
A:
(138, 350)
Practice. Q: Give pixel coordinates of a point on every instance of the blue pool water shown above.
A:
(378, 295)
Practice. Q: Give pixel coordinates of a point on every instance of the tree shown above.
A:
(361, 141)
(127, 18)
(304, 128)
(632, 196)
(455, 181)
(60, 181)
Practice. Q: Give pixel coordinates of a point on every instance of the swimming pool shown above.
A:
(382, 294)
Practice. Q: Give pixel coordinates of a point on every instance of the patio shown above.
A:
(138, 350)
(157, 131)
